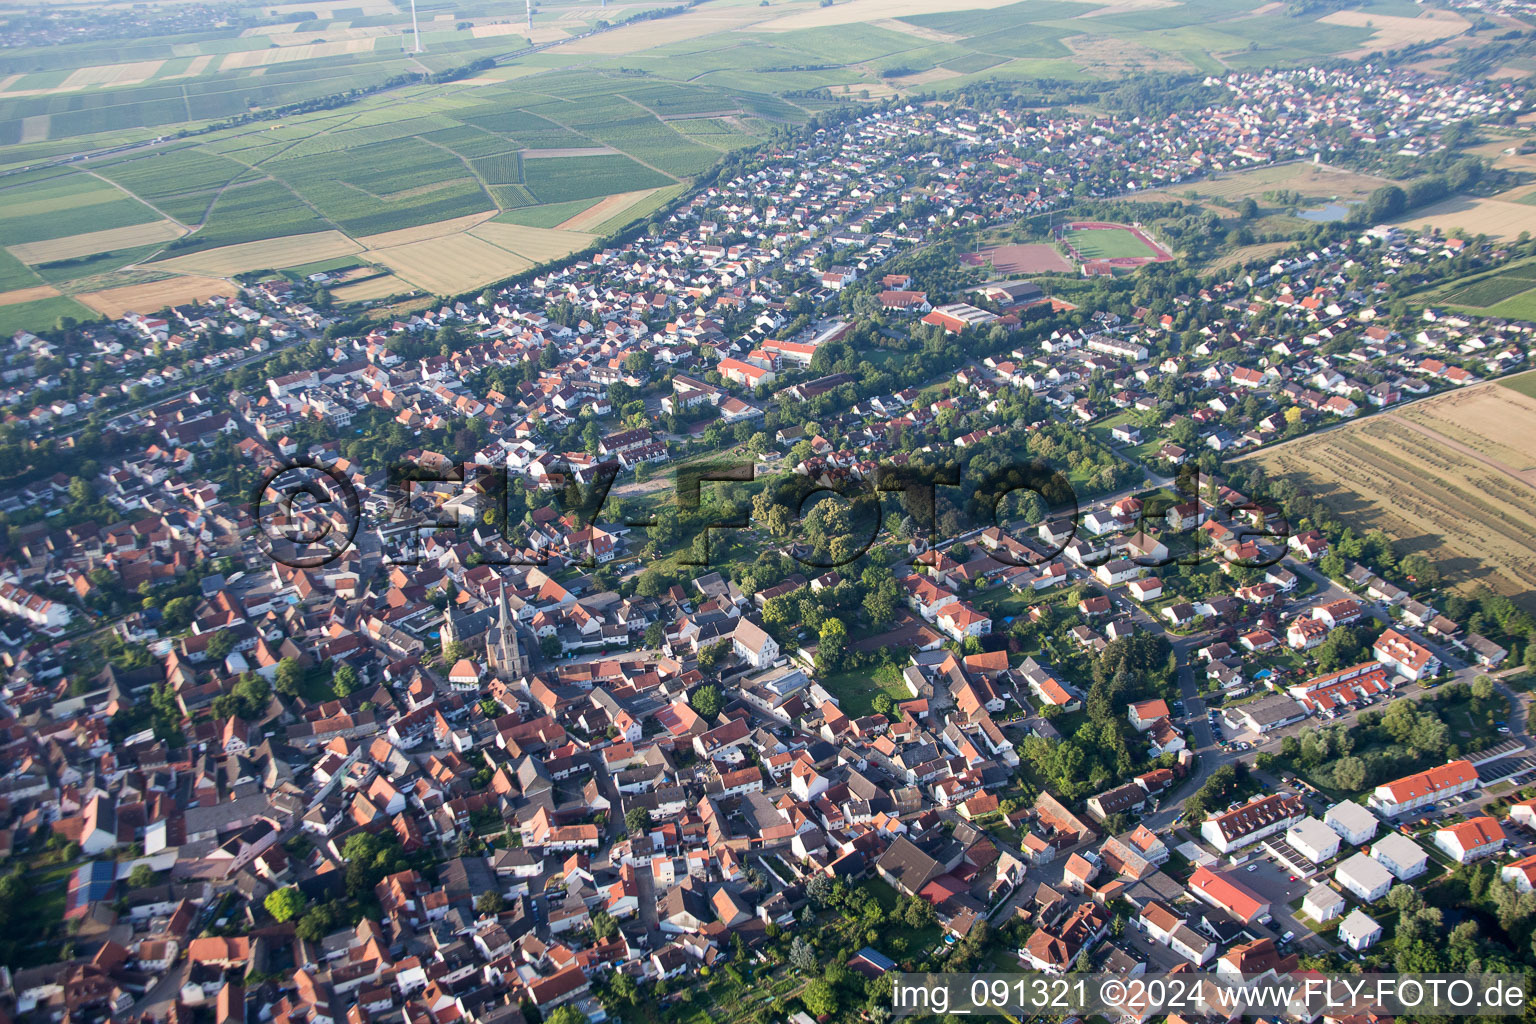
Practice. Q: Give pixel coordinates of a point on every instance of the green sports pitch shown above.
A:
(1109, 244)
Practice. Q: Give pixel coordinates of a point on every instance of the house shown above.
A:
(1164, 926)
(1400, 855)
(1313, 840)
(1411, 792)
(1323, 903)
(1364, 877)
(1267, 714)
(1054, 948)
(1358, 931)
(1520, 873)
(752, 644)
(1412, 660)
(1353, 823)
(1145, 714)
(1472, 839)
(1225, 892)
(1257, 819)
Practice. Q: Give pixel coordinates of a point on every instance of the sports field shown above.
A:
(1009, 260)
(1110, 244)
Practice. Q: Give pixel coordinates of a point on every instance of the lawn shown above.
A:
(1108, 244)
(855, 688)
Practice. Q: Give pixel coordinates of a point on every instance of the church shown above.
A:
(504, 653)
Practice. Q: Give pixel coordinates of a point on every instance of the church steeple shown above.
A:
(504, 650)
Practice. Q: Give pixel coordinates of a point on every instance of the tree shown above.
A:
(1349, 773)
(490, 903)
(220, 644)
(141, 877)
(1403, 898)
(565, 1013)
(819, 998)
(833, 642)
(316, 924)
(604, 926)
(706, 700)
(284, 904)
(711, 656)
(802, 955)
(344, 680)
(289, 677)
(637, 820)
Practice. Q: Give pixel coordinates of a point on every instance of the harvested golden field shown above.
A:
(284, 54)
(1430, 475)
(1315, 181)
(1393, 32)
(1118, 56)
(268, 254)
(73, 246)
(154, 295)
(451, 264)
(1487, 418)
(38, 291)
(1129, 6)
(34, 128)
(380, 286)
(592, 216)
(933, 35)
(437, 229)
(860, 11)
(1476, 216)
(538, 245)
(131, 73)
(660, 31)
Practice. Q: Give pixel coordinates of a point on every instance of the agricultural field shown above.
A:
(561, 137)
(1524, 384)
(1497, 218)
(1490, 291)
(1439, 477)
(143, 298)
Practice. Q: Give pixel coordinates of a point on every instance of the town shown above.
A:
(545, 739)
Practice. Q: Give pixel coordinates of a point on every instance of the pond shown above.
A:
(1327, 213)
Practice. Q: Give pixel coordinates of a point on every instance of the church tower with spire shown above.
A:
(504, 653)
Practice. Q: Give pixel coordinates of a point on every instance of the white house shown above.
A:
(1520, 873)
(1364, 877)
(1358, 931)
(1323, 903)
(1400, 855)
(1409, 793)
(1354, 824)
(1313, 840)
(753, 645)
(1162, 925)
(1472, 839)
(1412, 660)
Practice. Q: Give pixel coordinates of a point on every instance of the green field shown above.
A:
(547, 215)
(1108, 243)
(1491, 291)
(39, 315)
(564, 179)
(1524, 383)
